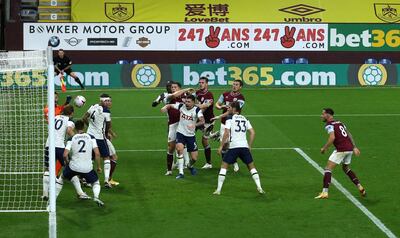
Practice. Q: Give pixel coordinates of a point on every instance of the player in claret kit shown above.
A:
(173, 95)
(206, 104)
(345, 146)
(222, 104)
(235, 140)
(81, 146)
(190, 118)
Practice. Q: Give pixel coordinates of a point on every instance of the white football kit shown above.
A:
(98, 116)
(61, 125)
(81, 147)
(187, 117)
(238, 126)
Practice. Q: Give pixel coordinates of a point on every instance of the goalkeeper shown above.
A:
(58, 108)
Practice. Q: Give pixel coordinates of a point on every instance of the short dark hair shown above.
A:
(104, 95)
(236, 106)
(176, 83)
(191, 97)
(329, 111)
(60, 50)
(68, 110)
(239, 81)
(168, 86)
(204, 78)
(79, 125)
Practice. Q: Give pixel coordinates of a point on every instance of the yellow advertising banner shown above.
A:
(237, 11)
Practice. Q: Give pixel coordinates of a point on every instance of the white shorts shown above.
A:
(172, 132)
(221, 132)
(341, 157)
(111, 148)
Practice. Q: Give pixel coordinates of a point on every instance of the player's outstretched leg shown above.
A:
(170, 161)
(221, 178)
(194, 155)
(59, 185)
(96, 193)
(107, 168)
(186, 157)
(326, 182)
(352, 176)
(179, 149)
(46, 179)
(256, 177)
(77, 185)
(207, 153)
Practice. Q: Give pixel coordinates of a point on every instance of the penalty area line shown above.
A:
(349, 196)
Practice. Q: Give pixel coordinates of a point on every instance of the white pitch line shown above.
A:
(279, 115)
(163, 150)
(359, 205)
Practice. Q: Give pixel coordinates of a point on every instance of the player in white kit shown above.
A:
(80, 147)
(235, 139)
(64, 126)
(99, 119)
(190, 118)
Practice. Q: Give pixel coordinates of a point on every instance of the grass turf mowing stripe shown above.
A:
(339, 186)
(277, 115)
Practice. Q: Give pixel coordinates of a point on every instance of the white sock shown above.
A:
(46, 180)
(180, 164)
(325, 190)
(186, 156)
(255, 177)
(96, 189)
(59, 185)
(77, 185)
(221, 178)
(107, 168)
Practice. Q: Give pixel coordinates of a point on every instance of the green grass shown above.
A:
(149, 204)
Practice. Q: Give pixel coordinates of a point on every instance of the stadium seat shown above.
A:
(371, 61)
(288, 61)
(302, 61)
(122, 62)
(136, 61)
(205, 61)
(385, 61)
(219, 61)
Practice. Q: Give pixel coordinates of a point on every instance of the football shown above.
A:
(80, 101)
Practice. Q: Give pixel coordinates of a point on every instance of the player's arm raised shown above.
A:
(165, 108)
(330, 141)
(181, 92)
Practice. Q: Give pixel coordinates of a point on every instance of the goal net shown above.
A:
(23, 130)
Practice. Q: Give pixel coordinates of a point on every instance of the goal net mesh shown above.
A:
(23, 129)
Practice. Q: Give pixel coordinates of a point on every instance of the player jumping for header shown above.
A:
(345, 146)
(236, 127)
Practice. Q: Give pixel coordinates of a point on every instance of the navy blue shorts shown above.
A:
(90, 177)
(188, 141)
(103, 148)
(242, 153)
(59, 156)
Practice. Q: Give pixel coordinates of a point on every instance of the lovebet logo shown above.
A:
(352, 37)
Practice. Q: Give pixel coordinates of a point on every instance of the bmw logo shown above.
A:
(54, 41)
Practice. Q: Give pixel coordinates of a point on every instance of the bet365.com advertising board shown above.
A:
(144, 76)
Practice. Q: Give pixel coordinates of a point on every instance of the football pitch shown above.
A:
(149, 204)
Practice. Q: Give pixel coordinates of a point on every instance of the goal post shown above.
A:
(26, 87)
